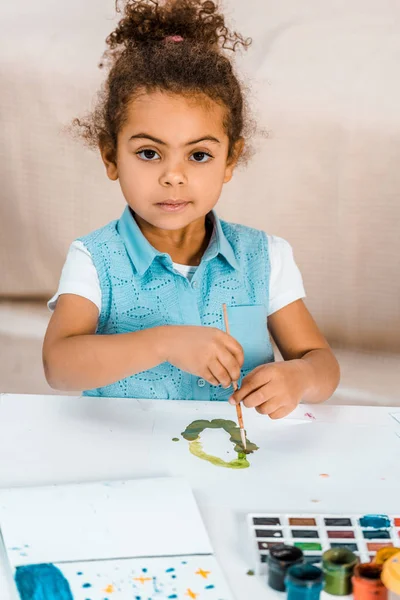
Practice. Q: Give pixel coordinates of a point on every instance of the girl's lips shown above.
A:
(172, 207)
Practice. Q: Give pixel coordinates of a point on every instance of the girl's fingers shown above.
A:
(235, 348)
(220, 373)
(261, 395)
(259, 377)
(231, 365)
(210, 378)
(270, 407)
(281, 412)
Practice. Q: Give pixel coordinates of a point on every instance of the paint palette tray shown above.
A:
(362, 534)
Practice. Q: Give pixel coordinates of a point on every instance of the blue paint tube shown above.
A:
(304, 582)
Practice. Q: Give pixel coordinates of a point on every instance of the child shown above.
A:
(139, 309)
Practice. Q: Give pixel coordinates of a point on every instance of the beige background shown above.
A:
(325, 84)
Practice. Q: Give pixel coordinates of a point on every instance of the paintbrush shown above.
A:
(235, 387)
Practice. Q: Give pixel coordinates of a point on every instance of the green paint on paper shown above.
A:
(192, 434)
(175, 439)
(196, 448)
(250, 572)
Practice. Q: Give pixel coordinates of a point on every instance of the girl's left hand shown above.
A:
(274, 389)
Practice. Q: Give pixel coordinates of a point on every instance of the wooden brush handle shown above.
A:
(226, 321)
(239, 415)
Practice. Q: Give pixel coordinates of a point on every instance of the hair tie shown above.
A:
(173, 38)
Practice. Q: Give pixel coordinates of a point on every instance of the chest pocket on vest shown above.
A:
(248, 325)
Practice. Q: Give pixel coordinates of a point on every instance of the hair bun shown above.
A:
(149, 21)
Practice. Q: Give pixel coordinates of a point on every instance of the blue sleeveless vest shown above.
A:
(140, 289)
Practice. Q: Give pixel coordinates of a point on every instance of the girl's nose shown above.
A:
(173, 175)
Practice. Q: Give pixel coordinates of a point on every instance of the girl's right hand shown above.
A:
(206, 352)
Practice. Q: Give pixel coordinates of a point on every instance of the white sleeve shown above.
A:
(79, 276)
(286, 282)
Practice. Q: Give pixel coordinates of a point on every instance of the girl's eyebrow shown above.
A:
(210, 138)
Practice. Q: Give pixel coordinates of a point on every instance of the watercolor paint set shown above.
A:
(313, 534)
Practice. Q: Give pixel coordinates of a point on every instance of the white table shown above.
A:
(62, 439)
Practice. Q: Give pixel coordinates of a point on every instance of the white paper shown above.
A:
(154, 517)
(197, 577)
(396, 416)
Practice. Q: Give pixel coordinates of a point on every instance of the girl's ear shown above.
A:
(109, 159)
(232, 161)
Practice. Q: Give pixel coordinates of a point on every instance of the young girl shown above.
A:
(139, 309)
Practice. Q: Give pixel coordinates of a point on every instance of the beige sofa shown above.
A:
(324, 83)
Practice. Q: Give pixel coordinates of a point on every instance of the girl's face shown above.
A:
(172, 158)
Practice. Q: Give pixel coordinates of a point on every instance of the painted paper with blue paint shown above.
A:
(196, 577)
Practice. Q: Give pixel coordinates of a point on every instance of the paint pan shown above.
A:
(269, 533)
(375, 521)
(266, 521)
(305, 533)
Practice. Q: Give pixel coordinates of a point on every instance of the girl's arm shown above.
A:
(298, 338)
(309, 372)
(75, 358)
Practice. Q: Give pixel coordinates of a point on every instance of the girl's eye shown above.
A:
(201, 155)
(147, 153)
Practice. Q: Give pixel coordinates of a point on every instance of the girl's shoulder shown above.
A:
(244, 233)
(101, 235)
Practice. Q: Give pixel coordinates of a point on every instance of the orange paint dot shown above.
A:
(203, 573)
(142, 579)
(191, 594)
(109, 589)
(324, 475)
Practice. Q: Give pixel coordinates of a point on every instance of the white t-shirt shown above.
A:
(79, 275)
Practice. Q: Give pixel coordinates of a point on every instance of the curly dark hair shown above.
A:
(141, 59)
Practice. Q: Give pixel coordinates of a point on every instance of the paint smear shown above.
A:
(310, 416)
(192, 435)
(42, 582)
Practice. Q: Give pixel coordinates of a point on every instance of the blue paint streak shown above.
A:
(144, 570)
(375, 521)
(79, 573)
(169, 570)
(156, 589)
(173, 596)
(87, 585)
(210, 587)
(42, 582)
